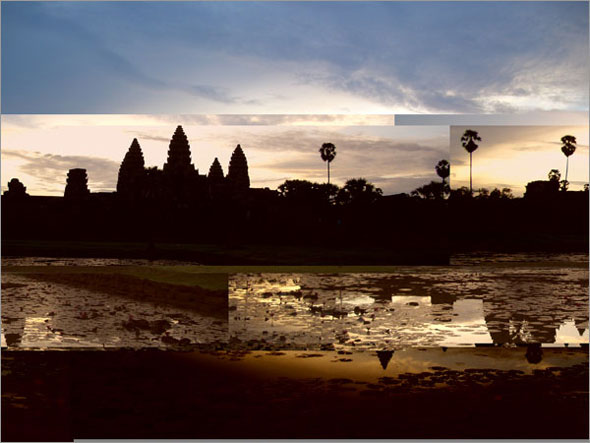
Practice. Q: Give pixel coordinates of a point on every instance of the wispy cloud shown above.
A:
(89, 57)
(52, 169)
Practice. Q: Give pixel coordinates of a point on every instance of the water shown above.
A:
(371, 367)
(458, 306)
(480, 300)
(38, 314)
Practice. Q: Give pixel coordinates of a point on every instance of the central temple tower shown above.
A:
(179, 155)
(180, 176)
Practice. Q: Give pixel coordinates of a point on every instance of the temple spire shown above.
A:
(179, 155)
(215, 172)
(237, 174)
(132, 172)
(76, 184)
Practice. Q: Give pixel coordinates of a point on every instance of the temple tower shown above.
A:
(179, 155)
(237, 174)
(76, 184)
(132, 173)
(180, 177)
(215, 175)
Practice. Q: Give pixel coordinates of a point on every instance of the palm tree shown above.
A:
(443, 169)
(328, 152)
(568, 148)
(468, 141)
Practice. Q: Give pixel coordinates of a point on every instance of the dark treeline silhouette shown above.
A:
(179, 205)
(352, 224)
(547, 218)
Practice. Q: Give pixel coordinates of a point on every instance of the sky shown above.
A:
(512, 156)
(294, 57)
(39, 150)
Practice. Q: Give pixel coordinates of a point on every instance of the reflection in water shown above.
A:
(433, 307)
(467, 327)
(38, 332)
(371, 366)
(569, 334)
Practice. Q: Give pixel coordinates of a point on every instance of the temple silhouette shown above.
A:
(218, 218)
(178, 183)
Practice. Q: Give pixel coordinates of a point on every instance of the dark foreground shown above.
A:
(164, 394)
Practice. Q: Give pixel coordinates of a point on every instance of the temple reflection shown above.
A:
(366, 311)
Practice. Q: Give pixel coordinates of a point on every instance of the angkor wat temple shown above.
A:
(227, 219)
(179, 182)
(179, 205)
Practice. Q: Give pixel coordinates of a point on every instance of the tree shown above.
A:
(328, 153)
(554, 175)
(483, 194)
(358, 191)
(504, 194)
(468, 142)
(306, 192)
(564, 185)
(463, 193)
(443, 170)
(432, 191)
(568, 148)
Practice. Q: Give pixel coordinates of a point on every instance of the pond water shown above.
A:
(38, 314)
(480, 300)
(458, 306)
(372, 366)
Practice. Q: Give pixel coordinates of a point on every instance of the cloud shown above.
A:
(395, 166)
(256, 56)
(51, 169)
(140, 136)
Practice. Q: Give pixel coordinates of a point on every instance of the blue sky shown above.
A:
(294, 57)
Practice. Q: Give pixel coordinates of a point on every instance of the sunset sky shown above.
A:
(39, 150)
(253, 72)
(294, 57)
(512, 156)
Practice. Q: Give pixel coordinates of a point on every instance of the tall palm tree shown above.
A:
(568, 148)
(468, 141)
(328, 152)
(443, 169)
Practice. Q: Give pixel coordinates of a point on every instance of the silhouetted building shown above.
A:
(180, 176)
(237, 174)
(179, 155)
(76, 184)
(541, 188)
(215, 172)
(16, 189)
(132, 174)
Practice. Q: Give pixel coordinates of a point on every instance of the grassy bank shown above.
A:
(224, 255)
